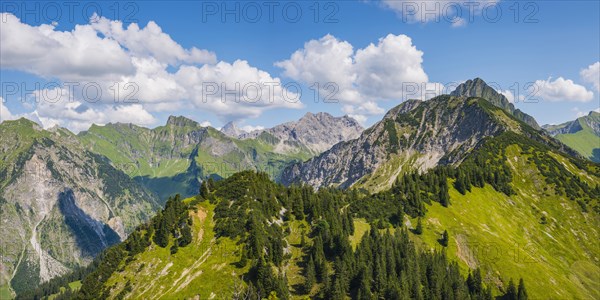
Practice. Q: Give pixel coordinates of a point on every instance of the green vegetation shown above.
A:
(585, 140)
(171, 159)
(277, 241)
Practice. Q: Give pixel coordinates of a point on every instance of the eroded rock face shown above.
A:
(436, 132)
(478, 88)
(316, 132)
(59, 204)
(423, 133)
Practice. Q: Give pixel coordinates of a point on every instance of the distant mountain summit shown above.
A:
(317, 132)
(231, 130)
(478, 88)
(582, 134)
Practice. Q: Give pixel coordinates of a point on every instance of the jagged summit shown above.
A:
(479, 88)
(317, 132)
(181, 121)
(231, 129)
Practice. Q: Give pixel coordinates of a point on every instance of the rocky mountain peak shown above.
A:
(181, 121)
(479, 88)
(316, 132)
(231, 129)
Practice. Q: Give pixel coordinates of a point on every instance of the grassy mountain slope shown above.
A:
(527, 193)
(253, 238)
(535, 234)
(171, 159)
(583, 135)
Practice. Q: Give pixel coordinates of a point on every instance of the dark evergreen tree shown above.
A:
(310, 275)
(522, 291)
(511, 291)
(419, 228)
(445, 238)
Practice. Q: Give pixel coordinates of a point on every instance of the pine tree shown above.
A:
(419, 229)
(445, 238)
(204, 190)
(443, 194)
(310, 275)
(511, 291)
(186, 235)
(522, 292)
(161, 237)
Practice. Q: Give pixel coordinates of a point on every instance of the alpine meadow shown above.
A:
(254, 150)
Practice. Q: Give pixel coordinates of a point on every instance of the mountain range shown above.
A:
(63, 193)
(466, 180)
(417, 135)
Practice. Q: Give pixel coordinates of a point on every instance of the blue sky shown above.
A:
(368, 49)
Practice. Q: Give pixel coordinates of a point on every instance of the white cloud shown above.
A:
(323, 61)
(235, 91)
(79, 115)
(250, 128)
(133, 63)
(205, 123)
(71, 55)
(389, 70)
(150, 41)
(359, 118)
(561, 90)
(592, 75)
(510, 96)
(5, 114)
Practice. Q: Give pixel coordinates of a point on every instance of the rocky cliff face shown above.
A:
(478, 88)
(421, 134)
(59, 204)
(415, 135)
(316, 132)
(231, 130)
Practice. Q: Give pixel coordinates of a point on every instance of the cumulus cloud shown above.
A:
(235, 90)
(592, 75)
(150, 41)
(133, 71)
(389, 70)
(5, 114)
(80, 115)
(561, 90)
(73, 55)
(205, 123)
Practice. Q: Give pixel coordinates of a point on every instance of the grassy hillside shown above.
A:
(535, 234)
(253, 238)
(171, 159)
(579, 135)
(194, 270)
(584, 141)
